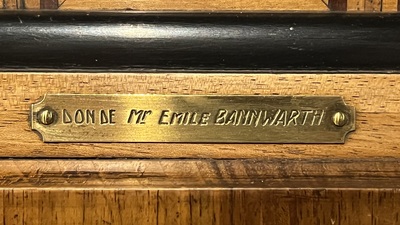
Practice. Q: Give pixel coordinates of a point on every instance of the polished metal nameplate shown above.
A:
(191, 118)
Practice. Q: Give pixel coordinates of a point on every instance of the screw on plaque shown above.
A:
(339, 119)
(46, 116)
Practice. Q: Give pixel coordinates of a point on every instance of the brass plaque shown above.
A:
(190, 118)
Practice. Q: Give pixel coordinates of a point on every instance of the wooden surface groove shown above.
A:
(375, 97)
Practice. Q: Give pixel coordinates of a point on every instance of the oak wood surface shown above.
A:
(201, 173)
(242, 184)
(210, 5)
(197, 5)
(375, 97)
(172, 5)
(50, 206)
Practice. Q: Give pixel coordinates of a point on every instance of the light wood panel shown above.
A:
(355, 5)
(376, 98)
(167, 5)
(389, 5)
(10, 4)
(374, 6)
(196, 5)
(32, 4)
(271, 5)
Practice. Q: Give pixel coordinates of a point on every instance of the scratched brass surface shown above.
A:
(174, 118)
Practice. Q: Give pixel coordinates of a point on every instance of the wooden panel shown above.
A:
(32, 4)
(337, 5)
(49, 4)
(267, 206)
(169, 5)
(316, 5)
(195, 5)
(389, 5)
(10, 4)
(376, 98)
(373, 5)
(202, 173)
(252, 189)
(356, 5)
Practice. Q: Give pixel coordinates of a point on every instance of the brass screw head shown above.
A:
(46, 116)
(339, 119)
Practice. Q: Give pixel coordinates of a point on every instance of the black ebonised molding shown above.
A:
(132, 41)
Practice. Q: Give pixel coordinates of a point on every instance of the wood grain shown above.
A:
(49, 4)
(168, 5)
(266, 184)
(373, 5)
(32, 4)
(376, 98)
(191, 206)
(389, 5)
(202, 173)
(10, 4)
(280, 5)
(337, 5)
(194, 5)
(355, 5)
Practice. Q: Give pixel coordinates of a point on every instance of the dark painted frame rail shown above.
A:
(199, 41)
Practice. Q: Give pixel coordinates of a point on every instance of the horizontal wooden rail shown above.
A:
(202, 173)
(137, 41)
